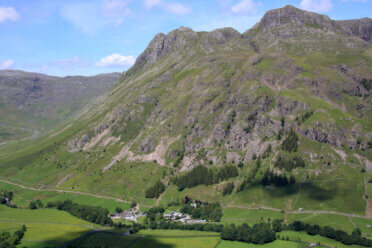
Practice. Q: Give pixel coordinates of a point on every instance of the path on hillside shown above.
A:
(65, 191)
(298, 212)
(227, 205)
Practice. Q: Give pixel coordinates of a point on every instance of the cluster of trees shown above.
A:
(228, 189)
(152, 214)
(203, 175)
(290, 143)
(35, 204)
(289, 163)
(93, 214)
(204, 210)
(155, 190)
(6, 196)
(270, 177)
(8, 240)
(208, 227)
(367, 83)
(329, 232)
(257, 234)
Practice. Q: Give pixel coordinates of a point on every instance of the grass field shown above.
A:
(152, 238)
(45, 227)
(24, 196)
(251, 216)
(275, 244)
(302, 236)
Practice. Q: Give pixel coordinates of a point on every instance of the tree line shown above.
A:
(269, 177)
(8, 240)
(203, 175)
(93, 214)
(260, 233)
(208, 227)
(289, 163)
(329, 232)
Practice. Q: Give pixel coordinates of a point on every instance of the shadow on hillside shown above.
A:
(102, 239)
(315, 192)
(310, 190)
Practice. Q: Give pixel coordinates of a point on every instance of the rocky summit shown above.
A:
(290, 96)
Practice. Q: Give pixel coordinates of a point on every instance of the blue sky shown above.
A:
(68, 37)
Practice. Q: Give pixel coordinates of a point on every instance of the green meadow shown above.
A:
(24, 196)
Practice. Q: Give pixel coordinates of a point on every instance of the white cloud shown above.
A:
(244, 7)
(67, 64)
(85, 16)
(170, 7)
(364, 1)
(8, 14)
(322, 6)
(116, 60)
(176, 8)
(6, 64)
(151, 3)
(114, 7)
(90, 17)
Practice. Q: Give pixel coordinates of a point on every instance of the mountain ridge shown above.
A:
(35, 101)
(162, 43)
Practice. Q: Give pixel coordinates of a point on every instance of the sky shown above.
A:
(66, 37)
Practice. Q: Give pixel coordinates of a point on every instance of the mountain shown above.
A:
(289, 97)
(32, 102)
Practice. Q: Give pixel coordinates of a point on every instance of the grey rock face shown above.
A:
(292, 15)
(162, 44)
(146, 146)
(222, 35)
(361, 28)
(295, 17)
(78, 143)
(287, 106)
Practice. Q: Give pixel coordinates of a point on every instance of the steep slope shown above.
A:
(217, 98)
(31, 102)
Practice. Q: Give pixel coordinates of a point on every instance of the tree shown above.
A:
(155, 190)
(118, 210)
(357, 232)
(32, 205)
(39, 203)
(228, 189)
(290, 143)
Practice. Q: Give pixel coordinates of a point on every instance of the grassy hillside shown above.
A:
(223, 98)
(31, 103)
